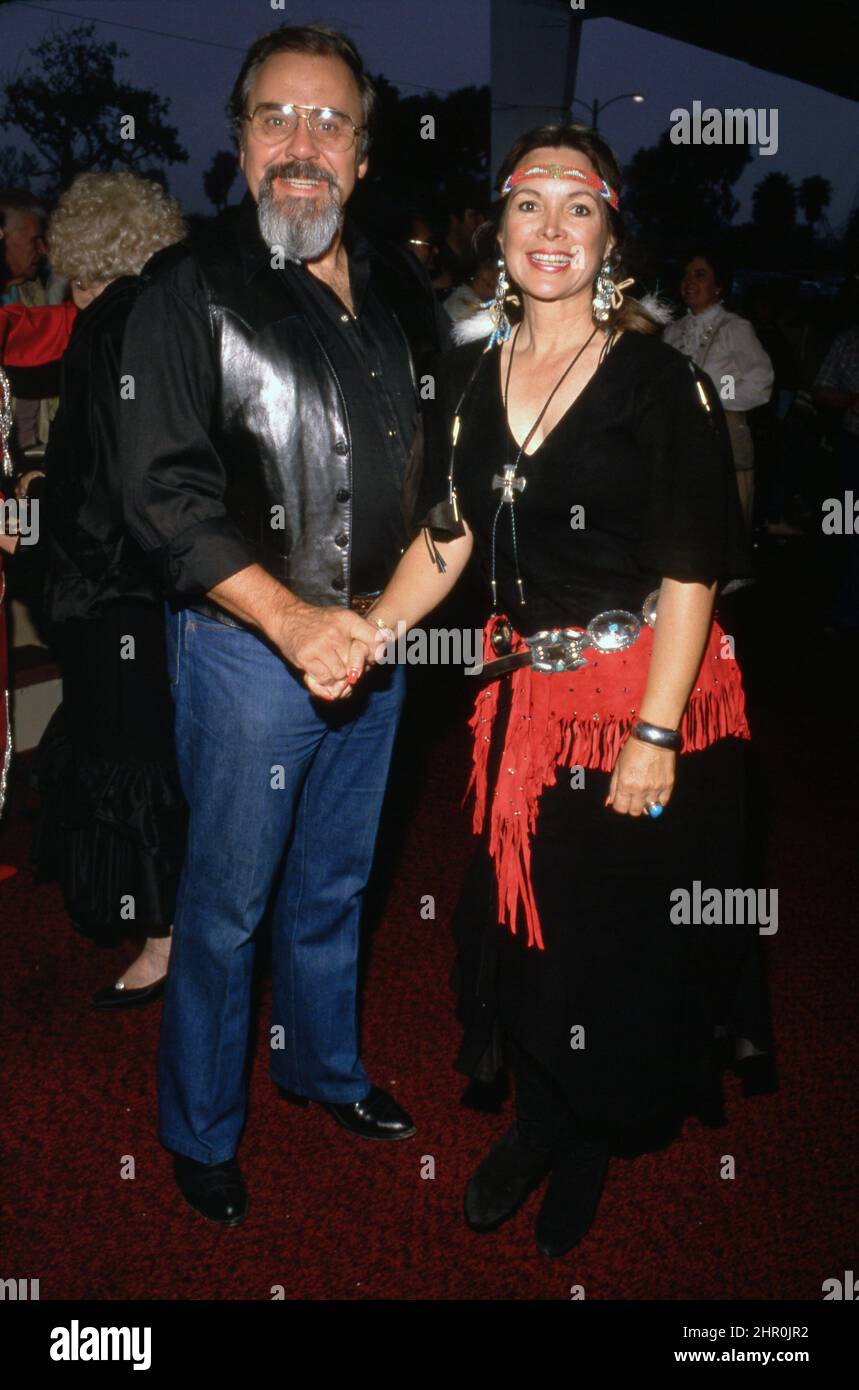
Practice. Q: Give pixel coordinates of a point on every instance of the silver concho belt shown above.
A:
(558, 649)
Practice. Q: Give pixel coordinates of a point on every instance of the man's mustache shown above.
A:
(297, 169)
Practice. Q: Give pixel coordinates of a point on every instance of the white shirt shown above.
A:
(724, 345)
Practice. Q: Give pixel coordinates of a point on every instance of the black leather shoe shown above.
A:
(504, 1179)
(377, 1116)
(118, 997)
(572, 1197)
(216, 1190)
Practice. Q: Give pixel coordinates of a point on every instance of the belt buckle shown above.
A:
(557, 649)
(362, 603)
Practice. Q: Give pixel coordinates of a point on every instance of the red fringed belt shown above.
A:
(577, 719)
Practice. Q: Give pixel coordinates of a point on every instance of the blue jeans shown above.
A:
(285, 795)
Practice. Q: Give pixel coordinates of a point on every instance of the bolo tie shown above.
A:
(509, 480)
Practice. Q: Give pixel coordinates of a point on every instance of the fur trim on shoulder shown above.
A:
(476, 325)
(658, 308)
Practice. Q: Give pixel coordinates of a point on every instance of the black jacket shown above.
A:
(91, 560)
(237, 411)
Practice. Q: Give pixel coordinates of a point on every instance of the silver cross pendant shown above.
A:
(507, 482)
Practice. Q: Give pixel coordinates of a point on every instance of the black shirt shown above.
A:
(176, 481)
(371, 358)
(637, 451)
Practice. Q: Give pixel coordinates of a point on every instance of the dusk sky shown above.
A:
(818, 133)
(444, 44)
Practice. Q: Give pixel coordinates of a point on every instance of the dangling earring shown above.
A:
(607, 294)
(501, 325)
(603, 292)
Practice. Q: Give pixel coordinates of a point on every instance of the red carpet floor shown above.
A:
(334, 1218)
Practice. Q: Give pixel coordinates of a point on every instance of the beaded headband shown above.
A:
(561, 171)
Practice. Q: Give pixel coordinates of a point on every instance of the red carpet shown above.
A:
(332, 1217)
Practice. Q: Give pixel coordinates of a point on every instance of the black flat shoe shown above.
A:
(572, 1197)
(215, 1190)
(377, 1116)
(118, 997)
(510, 1171)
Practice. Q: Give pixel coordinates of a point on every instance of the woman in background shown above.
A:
(726, 347)
(112, 823)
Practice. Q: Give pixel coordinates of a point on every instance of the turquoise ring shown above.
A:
(654, 809)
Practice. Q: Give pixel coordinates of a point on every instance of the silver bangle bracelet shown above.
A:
(659, 737)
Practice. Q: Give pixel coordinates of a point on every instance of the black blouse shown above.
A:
(647, 467)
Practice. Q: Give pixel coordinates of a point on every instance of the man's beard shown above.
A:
(298, 226)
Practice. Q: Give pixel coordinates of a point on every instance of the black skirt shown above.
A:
(112, 822)
(628, 1010)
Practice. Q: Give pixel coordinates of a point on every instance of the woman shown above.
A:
(112, 821)
(28, 338)
(590, 469)
(727, 348)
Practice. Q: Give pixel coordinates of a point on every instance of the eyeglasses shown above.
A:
(330, 129)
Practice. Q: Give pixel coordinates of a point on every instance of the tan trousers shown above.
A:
(743, 449)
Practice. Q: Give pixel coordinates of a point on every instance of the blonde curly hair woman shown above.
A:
(112, 823)
(109, 225)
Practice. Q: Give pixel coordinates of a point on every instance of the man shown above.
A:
(23, 249)
(465, 207)
(35, 402)
(272, 460)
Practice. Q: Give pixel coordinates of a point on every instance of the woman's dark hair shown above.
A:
(317, 39)
(571, 135)
(717, 263)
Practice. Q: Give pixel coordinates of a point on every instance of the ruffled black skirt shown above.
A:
(112, 821)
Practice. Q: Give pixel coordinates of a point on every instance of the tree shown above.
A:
(79, 116)
(679, 193)
(813, 197)
(426, 144)
(774, 206)
(851, 243)
(16, 170)
(219, 178)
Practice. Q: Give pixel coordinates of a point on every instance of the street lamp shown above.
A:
(599, 106)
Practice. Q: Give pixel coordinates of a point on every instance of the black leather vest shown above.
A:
(281, 424)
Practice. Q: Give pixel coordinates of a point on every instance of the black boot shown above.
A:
(572, 1197)
(504, 1179)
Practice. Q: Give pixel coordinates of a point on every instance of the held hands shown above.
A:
(642, 773)
(330, 646)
